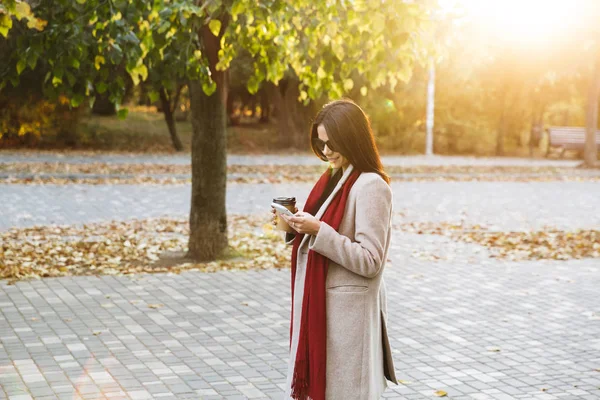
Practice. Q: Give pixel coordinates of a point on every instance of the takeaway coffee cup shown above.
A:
(290, 204)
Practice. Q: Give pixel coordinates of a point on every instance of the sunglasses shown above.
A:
(319, 144)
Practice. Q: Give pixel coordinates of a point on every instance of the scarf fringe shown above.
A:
(300, 381)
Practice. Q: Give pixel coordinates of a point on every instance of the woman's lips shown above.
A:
(333, 159)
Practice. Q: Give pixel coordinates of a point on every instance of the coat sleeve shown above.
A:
(364, 255)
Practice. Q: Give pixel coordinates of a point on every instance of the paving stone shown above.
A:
(444, 316)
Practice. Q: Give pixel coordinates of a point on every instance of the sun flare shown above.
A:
(526, 21)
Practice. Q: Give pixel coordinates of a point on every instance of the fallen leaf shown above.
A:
(34, 173)
(549, 243)
(101, 249)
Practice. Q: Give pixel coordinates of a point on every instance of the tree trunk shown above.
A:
(501, 127)
(283, 126)
(103, 106)
(590, 154)
(292, 116)
(168, 112)
(264, 106)
(208, 216)
(295, 114)
(500, 134)
(537, 124)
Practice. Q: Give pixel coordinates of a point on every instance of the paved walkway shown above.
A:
(294, 159)
(473, 326)
(502, 205)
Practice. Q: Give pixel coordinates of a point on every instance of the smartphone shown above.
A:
(282, 210)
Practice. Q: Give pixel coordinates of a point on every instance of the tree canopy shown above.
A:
(84, 45)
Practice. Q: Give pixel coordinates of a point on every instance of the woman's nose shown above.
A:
(327, 150)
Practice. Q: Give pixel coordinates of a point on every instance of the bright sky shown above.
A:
(529, 21)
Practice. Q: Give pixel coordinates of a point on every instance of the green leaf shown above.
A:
(122, 113)
(74, 63)
(137, 72)
(5, 24)
(253, 84)
(215, 26)
(363, 90)
(348, 84)
(321, 74)
(36, 23)
(99, 61)
(58, 71)
(209, 87)
(338, 50)
(153, 96)
(71, 78)
(143, 71)
(21, 66)
(101, 87)
(81, 1)
(22, 10)
(56, 81)
(32, 60)
(76, 100)
(237, 8)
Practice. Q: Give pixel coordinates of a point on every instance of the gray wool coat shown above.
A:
(359, 356)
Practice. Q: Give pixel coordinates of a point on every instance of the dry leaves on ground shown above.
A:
(152, 168)
(549, 243)
(102, 173)
(274, 179)
(134, 246)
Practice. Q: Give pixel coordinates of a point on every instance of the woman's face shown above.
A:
(336, 160)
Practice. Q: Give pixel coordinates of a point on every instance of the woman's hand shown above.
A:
(274, 216)
(303, 222)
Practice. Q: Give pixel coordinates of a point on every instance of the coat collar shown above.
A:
(327, 201)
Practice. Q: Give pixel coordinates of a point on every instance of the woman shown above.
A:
(339, 347)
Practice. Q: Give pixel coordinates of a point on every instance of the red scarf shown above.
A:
(308, 381)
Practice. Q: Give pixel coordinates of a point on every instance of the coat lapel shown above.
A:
(327, 201)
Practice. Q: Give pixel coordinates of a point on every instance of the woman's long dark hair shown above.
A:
(349, 131)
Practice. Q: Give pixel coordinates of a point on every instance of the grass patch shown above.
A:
(146, 131)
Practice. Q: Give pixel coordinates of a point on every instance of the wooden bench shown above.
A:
(568, 138)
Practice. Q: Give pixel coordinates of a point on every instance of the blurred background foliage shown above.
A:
(495, 94)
